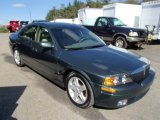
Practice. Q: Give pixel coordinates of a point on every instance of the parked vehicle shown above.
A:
(150, 33)
(23, 23)
(153, 23)
(39, 21)
(113, 30)
(13, 26)
(73, 57)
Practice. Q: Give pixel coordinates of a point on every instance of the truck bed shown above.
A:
(89, 27)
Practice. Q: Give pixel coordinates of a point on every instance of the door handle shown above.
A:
(35, 49)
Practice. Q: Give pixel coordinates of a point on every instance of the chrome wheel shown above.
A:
(119, 43)
(77, 90)
(17, 57)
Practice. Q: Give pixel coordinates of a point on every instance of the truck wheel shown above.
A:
(79, 90)
(120, 42)
(10, 30)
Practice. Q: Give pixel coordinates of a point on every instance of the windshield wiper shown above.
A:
(88, 47)
(75, 48)
(96, 46)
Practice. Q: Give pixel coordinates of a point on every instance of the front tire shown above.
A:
(79, 90)
(17, 58)
(120, 42)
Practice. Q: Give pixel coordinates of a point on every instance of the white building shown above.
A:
(151, 15)
(128, 13)
(89, 15)
(72, 21)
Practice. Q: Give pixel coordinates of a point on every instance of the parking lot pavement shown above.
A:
(25, 95)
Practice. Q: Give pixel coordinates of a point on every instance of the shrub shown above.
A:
(3, 29)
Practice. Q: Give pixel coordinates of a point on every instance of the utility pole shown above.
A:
(54, 16)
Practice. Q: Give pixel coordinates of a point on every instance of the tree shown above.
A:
(71, 10)
(132, 1)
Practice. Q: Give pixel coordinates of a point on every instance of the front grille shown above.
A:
(142, 34)
(140, 74)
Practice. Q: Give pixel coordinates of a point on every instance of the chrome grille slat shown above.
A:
(140, 74)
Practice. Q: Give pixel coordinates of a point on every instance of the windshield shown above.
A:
(116, 22)
(77, 38)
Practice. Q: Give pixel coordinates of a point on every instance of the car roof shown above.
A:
(55, 24)
(107, 17)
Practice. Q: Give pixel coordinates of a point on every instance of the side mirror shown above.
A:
(46, 45)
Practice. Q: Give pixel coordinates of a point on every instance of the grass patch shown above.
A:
(3, 29)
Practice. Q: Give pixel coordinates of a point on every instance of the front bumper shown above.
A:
(136, 39)
(130, 92)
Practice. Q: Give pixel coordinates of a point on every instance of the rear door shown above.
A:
(45, 58)
(27, 38)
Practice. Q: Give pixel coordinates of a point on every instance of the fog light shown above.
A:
(122, 102)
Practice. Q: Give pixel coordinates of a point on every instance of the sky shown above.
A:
(21, 9)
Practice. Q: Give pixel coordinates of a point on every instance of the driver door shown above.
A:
(103, 29)
(45, 57)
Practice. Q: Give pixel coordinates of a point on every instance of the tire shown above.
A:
(79, 90)
(120, 42)
(17, 58)
(10, 30)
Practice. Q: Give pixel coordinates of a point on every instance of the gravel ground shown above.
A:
(25, 95)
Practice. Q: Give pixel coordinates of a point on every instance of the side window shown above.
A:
(44, 35)
(102, 22)
(29, 33)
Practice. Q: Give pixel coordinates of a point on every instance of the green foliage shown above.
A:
(3, 29)
(137, 1)
(71, 10)
(132, 1)
(147, 0)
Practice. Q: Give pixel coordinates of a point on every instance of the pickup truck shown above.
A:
(13, 26)
(23, 23)
(113, 30)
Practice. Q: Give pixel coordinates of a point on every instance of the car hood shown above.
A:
(104, 60)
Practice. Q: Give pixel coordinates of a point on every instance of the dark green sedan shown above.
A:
(73, 57)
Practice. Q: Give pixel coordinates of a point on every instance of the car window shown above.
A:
(116, 22)
(102, 22)
(76, 38)
(43, 35)
(29, 33)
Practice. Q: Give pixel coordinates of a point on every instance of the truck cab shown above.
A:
(13, 26)
(113, 30)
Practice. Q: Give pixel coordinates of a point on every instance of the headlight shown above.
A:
(117, 80)
(131, 33)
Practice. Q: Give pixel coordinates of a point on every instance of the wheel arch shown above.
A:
(13, 47)
(88, 81)
(69, 70)
(119, 34)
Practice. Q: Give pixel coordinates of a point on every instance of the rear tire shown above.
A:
(120, 42)
(17, 58)
(79, 90)
(10, 30)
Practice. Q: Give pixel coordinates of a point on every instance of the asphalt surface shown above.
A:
(26, 95)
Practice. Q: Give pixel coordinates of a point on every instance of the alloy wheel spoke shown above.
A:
(76, 81)
(73, 87)
(81, 88)
(75, 96)
(82, 97)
